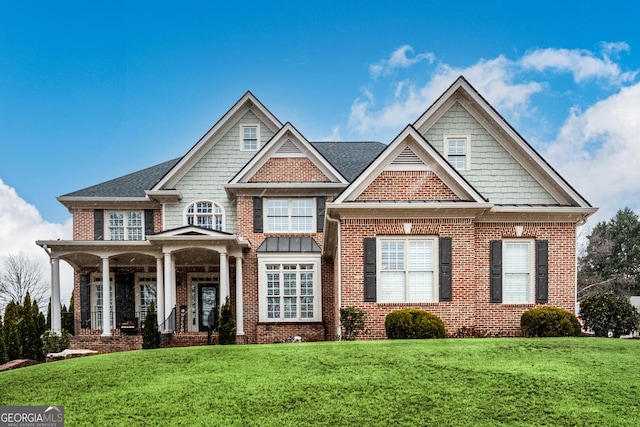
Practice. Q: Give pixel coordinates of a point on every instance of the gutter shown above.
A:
(338, 250)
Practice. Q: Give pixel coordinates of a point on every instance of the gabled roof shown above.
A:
(349, 158)
(462, 91)
(130, 185)
(410, 150)
(202, 147)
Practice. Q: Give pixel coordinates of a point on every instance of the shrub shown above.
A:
(411, 323)
(604, 313)
(352, 320)
(227, 325)
(54, 343)
(150, 331)
(549, 322)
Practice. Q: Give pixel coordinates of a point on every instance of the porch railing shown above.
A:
(169, 324)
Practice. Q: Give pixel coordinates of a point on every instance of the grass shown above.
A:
(466, 382)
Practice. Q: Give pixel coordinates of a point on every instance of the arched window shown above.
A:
(207, 214)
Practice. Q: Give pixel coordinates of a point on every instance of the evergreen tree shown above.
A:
(49, 314)
(150, 331)
(11, 336)
(3, 353)
(227, 324)
(68, 323)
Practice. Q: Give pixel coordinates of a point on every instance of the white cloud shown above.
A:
(21, 226)
(582, 64)
(333, 136)
(399, 59)
(599, 148)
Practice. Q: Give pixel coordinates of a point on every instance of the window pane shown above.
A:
(301, 224)
(456, 161)
(278, 223)
(301, 207)
(516, 258)
(306, 307)
(420, 286)
(456, 146)
(392, 286)
(273, 308)
(290, 311)
(392, 255)
(277, 207)
(134, 219)
(289, 284)
(134, 234)
(273, 284)
(306, 284)
(515, 288)
(116, 219)
(421, 255)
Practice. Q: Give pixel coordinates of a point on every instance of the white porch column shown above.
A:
(175, 284)
(168, 285)
(56, 322)
(239, 298)
(159, 292)
(106, 299)
(224, 278)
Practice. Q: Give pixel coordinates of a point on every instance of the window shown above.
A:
(517, 271)
(407, 269)
(457, 151)
(290, 215)
(205, 214)
(146, 294)
(249, 135)
(98, 300)
(125, 225)
(290, 290)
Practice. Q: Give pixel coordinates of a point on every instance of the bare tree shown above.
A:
(20, 274)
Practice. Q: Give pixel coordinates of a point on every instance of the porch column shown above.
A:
(224, 277)
(56, 322)
(168, 285)
(159, 293)
(239, 298)
(175, 284)
(106, 299)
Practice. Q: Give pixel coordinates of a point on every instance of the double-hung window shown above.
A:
(457, 151)
(125, 225)
(407, 269)
(289, 291)
(205, 214)
(290, 215)
(98, 302)
(249, 135)
(146, 294)
(518, 271)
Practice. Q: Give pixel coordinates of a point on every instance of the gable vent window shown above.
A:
(457, 151)
(407, 157)
(249, 135)
(205, 214)
(288, 148)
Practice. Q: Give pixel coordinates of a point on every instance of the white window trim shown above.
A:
(531, 283)
(151, 279)
(249, 125)
(96, 281)
(195, 278)
(185, 213)
(314, 213)
(289, 258)
(436, 266)
(107, 232)
(467, 149)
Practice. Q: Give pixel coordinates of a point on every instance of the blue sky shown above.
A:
(91, 91)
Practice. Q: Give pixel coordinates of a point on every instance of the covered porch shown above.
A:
(187, 273)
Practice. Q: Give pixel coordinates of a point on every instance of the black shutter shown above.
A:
(148, 222)
(85, 298)
(369, 269)
(321, 203)
(495, 270)
(98, 224)
(257, 215)
(542, 271)
(445, 269)
(125, 298)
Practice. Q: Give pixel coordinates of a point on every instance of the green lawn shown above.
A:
(466, 382)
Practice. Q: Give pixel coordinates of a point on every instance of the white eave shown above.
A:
(107, 202)
(283, 188)
(164, 196)
(577, 215)
(413, 209)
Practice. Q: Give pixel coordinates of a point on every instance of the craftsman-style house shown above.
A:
(458, 215)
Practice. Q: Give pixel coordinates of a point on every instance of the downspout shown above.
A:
(339, 261)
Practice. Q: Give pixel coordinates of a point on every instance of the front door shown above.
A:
(208, 306)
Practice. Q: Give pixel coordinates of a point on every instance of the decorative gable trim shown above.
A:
(470, 99)
(408, 150)
(211, 138)
(286, 143)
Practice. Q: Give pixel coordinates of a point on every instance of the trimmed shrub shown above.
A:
(411, 323)
(352, 320)
(227, 325)
(549, 322)
(150, 331)
(54, 343)
(604, 313)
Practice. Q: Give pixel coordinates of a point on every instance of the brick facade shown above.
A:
(289, 170)
(407, 185)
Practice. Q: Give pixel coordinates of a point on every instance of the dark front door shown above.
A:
(207, 305)
(125, 299)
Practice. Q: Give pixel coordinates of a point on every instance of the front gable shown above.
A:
(410, 169)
